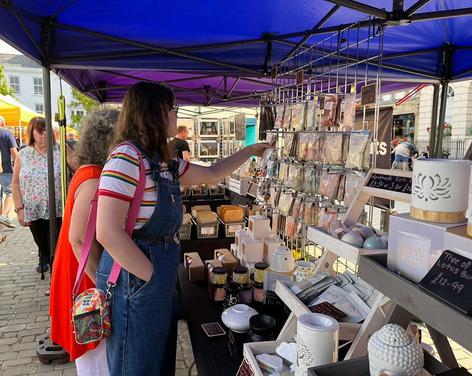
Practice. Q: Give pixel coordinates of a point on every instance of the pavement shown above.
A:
(24, 313)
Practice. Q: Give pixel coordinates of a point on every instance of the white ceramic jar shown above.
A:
(440, 190)
(282, 260)
(317, 341)
(392, 351)
(303, 270)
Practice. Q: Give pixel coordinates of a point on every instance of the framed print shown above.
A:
(208, 149)
(209, 127)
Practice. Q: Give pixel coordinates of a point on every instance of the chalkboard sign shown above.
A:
(451, 279)
(399, 184)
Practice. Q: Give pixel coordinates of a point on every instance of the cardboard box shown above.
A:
(214, 264)
(259, 226)
(414, 245)
(252, 250)
(236, 251)
(220, 252)
(194, 265)
(229, 262)
(270, 245)
(457, 240)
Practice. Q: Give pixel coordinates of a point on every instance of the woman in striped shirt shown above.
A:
(143, 297)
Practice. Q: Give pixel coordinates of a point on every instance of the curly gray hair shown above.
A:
(95, 137)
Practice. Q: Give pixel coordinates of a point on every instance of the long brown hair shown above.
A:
(37, 123)
(144, 118)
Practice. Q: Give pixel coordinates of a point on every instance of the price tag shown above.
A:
(234, 228)
(207, 230)
(451, 280)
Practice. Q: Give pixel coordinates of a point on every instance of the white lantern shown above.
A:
(439, 190)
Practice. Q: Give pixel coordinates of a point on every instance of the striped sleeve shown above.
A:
(120, 175)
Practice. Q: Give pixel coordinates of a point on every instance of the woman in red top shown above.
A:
(91, 156)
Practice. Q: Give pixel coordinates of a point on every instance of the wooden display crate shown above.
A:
(251, 349)
(338, 247)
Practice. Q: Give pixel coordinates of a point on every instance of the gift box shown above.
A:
(229, 262)
(271, 277)
(259, 226)
(270, 245)
(235, 250)
(413, 245)
(239, 235)
(194, 265)
(252, 250)
(220, 252)
(209, 264)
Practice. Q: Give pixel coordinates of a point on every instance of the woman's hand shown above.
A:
(258, 149)
(21, 218)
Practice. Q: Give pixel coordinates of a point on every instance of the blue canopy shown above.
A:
(217, 51)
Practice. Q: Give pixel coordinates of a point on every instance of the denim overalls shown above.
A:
(141, 312)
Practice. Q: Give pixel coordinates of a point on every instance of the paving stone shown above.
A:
(8, 356)
(24, 346)
(19, 370)
(8, 341)
(13, 328)
(19, 362)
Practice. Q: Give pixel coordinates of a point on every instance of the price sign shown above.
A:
(451, 280)
(208, 230)
(399, 184)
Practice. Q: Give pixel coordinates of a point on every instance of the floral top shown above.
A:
(34, 183)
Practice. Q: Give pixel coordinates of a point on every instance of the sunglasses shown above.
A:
(175, 108)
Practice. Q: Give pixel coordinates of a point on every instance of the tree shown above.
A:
(4, 88)
(81, 100)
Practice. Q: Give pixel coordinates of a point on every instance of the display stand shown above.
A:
(410, 301)
(335, 248)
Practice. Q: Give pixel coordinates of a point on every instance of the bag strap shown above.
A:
(90, 230)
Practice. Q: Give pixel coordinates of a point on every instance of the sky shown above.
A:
(6, 49)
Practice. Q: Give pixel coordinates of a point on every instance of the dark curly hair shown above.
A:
(95, 137)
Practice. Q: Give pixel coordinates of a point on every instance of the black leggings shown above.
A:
(40, 231)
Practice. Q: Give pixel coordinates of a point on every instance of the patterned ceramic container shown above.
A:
(392, 351)
(440, 190)
(303, 270)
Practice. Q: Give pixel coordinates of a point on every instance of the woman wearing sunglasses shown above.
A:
(30, 188)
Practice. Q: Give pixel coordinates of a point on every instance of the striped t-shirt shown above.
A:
(120, 178)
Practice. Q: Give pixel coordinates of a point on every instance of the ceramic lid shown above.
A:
(394, 335)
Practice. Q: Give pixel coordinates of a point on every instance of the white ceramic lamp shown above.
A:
(440, 188)
(317, 341)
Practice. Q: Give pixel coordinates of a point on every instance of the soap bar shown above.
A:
(199, 208)
(232, 214)
(220, 252)
(229, 262)
(206, 217)
(270, 363)
(187, 218)
(194, 265)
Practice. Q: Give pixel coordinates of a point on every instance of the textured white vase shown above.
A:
(317, 341)
(392, 351)
(440, 190)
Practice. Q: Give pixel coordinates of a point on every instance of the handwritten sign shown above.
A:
(451, 279)
(399, 184)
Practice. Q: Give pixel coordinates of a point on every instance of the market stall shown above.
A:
(312, 250)
(17, 115)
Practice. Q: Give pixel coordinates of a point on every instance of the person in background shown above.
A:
(8, 153)
(144, 295)
(30, 188)
(179, 146)
(403, 154)
(91, 155)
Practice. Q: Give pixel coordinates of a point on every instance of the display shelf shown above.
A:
(251, 349)
(347, 331)
(360, 367)
(434, 312)
(338, 247)
(239, 186)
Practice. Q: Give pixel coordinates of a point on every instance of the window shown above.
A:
(15, 84)
(39, 108)
(38, 85)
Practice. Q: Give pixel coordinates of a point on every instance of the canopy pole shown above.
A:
(442, 117)
(50, 158)
(434, 122)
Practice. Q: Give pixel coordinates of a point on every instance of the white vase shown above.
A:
(317, 341)
(440, 190)
(393, 352)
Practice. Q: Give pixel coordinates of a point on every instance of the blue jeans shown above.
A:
(5, 184)
(401, 158)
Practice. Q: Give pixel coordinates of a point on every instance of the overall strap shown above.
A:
(90, 230)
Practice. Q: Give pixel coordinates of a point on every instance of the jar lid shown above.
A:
(219, 270)
(261, 265)
(239, 269)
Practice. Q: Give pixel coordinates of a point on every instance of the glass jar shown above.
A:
(245, 294)
(240, 275)
(232, 295)
(218, 276)
(259, 271)
(258, 293)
